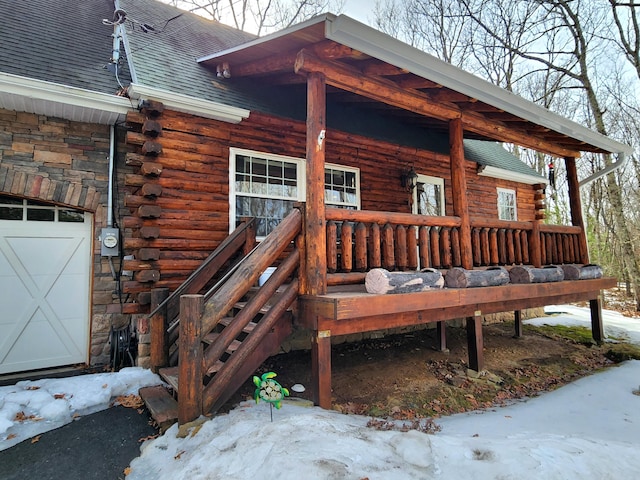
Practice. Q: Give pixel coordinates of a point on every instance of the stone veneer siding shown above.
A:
(66, 163)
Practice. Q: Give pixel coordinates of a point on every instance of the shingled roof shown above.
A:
(62, 41)
(66, 42)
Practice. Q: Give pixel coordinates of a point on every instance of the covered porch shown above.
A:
(404, 242)
(337, 62)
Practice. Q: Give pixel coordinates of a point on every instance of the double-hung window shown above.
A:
(507, 206)
(266, 186)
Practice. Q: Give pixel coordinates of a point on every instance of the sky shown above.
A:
(361, 10)
(589, 429)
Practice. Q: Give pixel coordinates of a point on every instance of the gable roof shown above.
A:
(464, 94)
(174, 63)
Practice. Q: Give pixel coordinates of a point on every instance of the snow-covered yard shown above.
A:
(588, 429)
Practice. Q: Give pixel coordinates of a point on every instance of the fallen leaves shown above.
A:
(33, 387)
(179, 454)
(36, 439)
(424, 425)
(11, 436)
(127, 471)
(23, 417)
(129, 401)
(149, 437)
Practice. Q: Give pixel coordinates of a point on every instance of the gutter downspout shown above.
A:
(112, 141)
(622, 160)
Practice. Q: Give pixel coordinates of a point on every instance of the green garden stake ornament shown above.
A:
(269, 390)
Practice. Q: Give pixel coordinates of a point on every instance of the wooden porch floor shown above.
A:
(355, 311)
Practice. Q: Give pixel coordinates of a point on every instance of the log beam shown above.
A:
(386, 91)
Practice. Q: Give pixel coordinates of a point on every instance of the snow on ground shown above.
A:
(29, 408)
(589, 429)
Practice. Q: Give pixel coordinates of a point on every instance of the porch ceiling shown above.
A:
(392, 78)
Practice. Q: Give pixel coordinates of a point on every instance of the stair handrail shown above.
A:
(213, 392)
(247, 273)
(222, 253)
(214, 352)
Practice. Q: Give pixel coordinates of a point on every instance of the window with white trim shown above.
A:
(342, 187)
(266, 186)
(428, 196)
(507, 206)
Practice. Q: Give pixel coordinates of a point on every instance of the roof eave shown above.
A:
(188, 104)
(47, 98)
(503, 174)
(326, 17)
(349, 32)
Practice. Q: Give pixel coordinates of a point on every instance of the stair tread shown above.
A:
(226, 321)
(215, 367)
(211, 337)
(170, 375)
(161, 405)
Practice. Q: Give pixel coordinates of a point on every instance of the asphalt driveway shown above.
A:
(96, 447)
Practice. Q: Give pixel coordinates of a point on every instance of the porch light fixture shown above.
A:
(409, 179)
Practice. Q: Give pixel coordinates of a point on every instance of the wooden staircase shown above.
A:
(211, 334)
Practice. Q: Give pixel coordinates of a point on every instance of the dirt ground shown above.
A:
(405, 377)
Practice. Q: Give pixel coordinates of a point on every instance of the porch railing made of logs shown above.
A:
(358, 241)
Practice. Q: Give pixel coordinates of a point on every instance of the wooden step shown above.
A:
(161, 405)
(211, 337)
(170, 375)
(226, 321)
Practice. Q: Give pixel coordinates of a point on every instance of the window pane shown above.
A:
(8, 213)
(40, 215)
(10, 200)
(70, 216)
(507, 205)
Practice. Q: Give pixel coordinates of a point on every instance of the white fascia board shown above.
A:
(63, 94)
(187, 104)
(494, 172)
(349, 32)
(270, 37)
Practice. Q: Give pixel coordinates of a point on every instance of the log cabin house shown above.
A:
(322, 151)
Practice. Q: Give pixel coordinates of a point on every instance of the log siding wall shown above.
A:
(194, 185)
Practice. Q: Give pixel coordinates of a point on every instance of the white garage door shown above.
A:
(45, 265)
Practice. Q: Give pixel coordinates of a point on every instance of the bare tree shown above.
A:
(564, 55)
(259, 16)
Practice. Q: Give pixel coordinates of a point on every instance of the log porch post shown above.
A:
(517, 320)
(190, 362)
(159, 351)
(321, 368)
(597, 328)
(475, 342)
(315, 230)
(459, 187)
(575, 204)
